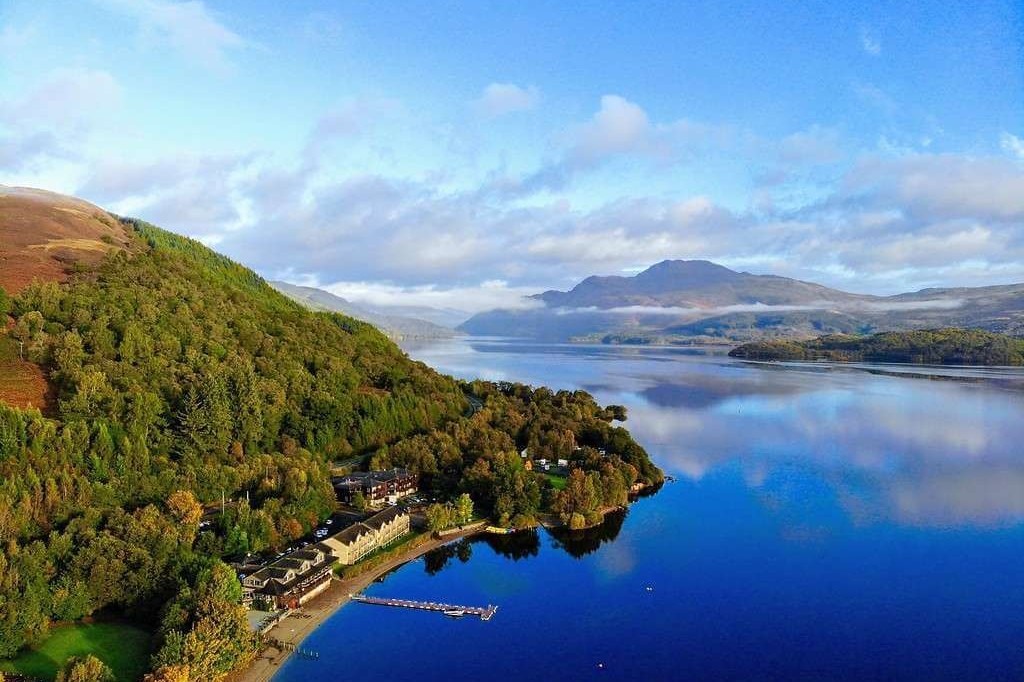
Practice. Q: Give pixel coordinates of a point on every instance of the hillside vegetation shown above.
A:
(180, 376)
(933, 347)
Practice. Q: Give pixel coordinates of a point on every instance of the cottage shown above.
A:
(377, 487)
(563, 463)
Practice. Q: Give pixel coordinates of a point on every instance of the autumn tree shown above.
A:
(85, 669)
(184, 507)
(439, 516)
(168, 673)
(463, 509)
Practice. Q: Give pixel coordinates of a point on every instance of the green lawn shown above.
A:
(558, 482)
(125, 648)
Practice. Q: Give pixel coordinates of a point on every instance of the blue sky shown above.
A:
(467, 153)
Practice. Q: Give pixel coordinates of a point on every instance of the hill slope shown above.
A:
(394, 326)
(46, 235)
(681, 301)
(181, 377)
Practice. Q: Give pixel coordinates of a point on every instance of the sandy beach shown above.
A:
(298, 626)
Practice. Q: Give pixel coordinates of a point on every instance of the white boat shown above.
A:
(455, 613)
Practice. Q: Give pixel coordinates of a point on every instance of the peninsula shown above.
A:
(949, 346)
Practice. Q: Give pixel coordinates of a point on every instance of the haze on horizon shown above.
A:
(466, 154)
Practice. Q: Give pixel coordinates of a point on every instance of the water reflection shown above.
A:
(579, 543)
(436, 560)
(516, 546)
(526, 544)
(929, 447)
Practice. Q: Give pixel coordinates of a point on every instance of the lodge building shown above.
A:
(358, 540)
(378, 487)
(291, 581)
(294, 579)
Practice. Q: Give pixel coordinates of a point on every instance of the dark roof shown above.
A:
(289, 562)
(306, 554)
(374, 476)
(270, 573)
(351, 533)
(378, 520)
(278, 588)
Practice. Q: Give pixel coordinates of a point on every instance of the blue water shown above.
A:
(826, 523)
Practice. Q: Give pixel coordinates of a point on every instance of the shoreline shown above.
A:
(294, 629)
(299, 625)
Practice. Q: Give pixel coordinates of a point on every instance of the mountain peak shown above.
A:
(688, 269)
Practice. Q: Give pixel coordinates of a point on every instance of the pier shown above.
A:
(484, 612)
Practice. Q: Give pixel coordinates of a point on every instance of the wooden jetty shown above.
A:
(297, 650)
(484, 612)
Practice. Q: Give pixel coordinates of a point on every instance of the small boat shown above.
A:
(454, 613)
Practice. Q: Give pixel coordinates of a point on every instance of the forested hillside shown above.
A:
(933, 347)
(180, 376)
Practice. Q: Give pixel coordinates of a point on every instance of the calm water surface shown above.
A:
(827, 523)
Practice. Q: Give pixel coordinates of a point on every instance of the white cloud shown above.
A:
(942, 186)
(352, 118)
(488, 295)
(622, 129)
(1012, 145)
(498, 99)
(188, 27)
(815, 145)
(620, 126)
(870, 42)
(195, 195)
(52, 121)
(63, 99)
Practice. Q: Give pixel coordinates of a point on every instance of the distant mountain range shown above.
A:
(404, 322)
(678, 301)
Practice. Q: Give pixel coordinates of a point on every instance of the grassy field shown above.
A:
(558, 482)
(125, 648)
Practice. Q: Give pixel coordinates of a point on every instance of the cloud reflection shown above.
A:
(922, 453)
(924, 447)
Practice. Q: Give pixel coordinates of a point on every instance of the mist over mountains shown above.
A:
(680, 301)
(401, 322)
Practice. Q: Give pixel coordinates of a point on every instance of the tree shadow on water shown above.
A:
(579, 543)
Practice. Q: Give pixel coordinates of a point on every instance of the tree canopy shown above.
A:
(950, 346)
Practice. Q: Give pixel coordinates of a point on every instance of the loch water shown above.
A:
(825, 522)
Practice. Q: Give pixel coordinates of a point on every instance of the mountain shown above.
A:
(691, 284)
(395, 326)
(186, 389)
(679, 301)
